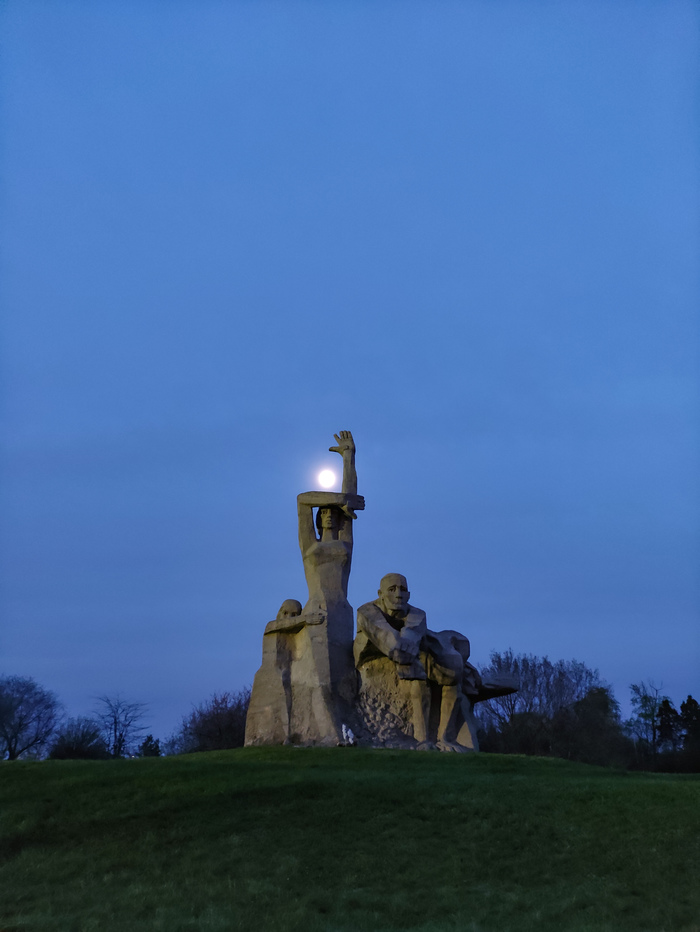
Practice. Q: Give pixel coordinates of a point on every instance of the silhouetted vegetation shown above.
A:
(120, 721)
(564, 709)
(149, 747)
(215, 725)
(29, 716)
(665, 739)
(79, 739)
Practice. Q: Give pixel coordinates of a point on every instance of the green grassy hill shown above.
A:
(345, 839)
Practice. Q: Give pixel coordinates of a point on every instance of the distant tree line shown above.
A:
(33, 725)
(564, 709)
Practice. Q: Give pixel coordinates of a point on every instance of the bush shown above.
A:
(214, 725)
(149, 747)
(79, 739)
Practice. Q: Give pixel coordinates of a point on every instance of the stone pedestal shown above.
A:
(304, 691)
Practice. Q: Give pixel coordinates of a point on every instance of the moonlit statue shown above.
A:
(401, 685)
(305, 689)
(326, 549)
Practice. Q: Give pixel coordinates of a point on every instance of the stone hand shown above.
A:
(345, 443)
(400, 656)
(313, 618)
(405, 651)
(352, 504)
(409, 646)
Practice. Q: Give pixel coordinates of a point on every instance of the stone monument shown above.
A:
(306, 687)
(398, 685)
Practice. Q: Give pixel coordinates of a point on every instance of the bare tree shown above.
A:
(29, 715)
(120, 721)
(546, 687)
(647, 700)
(562, 708)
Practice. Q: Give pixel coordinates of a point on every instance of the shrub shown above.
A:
(79, 739)
(214, 725)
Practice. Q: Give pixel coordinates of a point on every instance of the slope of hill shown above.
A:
(345, 839)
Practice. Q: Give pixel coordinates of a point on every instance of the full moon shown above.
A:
(326, 478)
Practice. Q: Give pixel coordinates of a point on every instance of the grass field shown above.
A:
(346, 839)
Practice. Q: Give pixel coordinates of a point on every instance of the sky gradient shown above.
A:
(468, 232)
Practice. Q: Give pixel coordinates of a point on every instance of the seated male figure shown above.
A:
(393, 628)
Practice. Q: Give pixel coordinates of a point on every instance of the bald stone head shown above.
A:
(393, 594)
(290, 608)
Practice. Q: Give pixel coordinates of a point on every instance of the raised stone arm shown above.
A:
(346, 448)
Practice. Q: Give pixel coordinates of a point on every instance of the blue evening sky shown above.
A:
(466, 231)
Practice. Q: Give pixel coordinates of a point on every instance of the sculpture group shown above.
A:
(397, 684)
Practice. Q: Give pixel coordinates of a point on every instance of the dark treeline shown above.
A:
(33, 725)
(564, 709)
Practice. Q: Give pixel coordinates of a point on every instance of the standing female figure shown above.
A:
(328, 556)
(305, 689)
